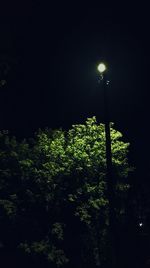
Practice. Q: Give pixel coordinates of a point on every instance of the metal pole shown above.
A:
(110, 177)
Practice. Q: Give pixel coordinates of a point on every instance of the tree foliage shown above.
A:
(53, 193)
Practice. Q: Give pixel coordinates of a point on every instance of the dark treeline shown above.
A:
(53, 199)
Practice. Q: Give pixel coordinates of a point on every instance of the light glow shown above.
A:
(101, 67)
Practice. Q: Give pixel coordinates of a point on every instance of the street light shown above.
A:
(101, 67)
(102, 70)
(110, 178)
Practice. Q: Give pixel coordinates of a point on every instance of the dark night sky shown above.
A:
(53, 51)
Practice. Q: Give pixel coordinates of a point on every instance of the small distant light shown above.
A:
(101, 67)
(2, 82)
(140, 224)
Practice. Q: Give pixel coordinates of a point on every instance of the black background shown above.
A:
(53, 51)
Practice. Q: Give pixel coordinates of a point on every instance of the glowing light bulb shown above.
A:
(101, 67)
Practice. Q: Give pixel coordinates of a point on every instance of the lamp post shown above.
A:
(110, 178)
